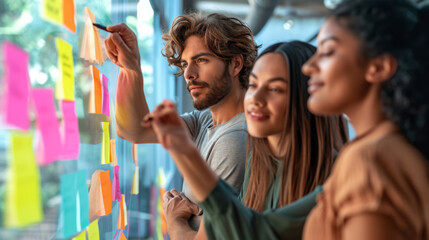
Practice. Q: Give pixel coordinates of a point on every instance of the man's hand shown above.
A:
(122, 47)
(177, 205)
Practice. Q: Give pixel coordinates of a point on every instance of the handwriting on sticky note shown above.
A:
(53, 11)
(17, 86)
(65, 62)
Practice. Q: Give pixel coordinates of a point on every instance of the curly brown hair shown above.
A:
(226, 37)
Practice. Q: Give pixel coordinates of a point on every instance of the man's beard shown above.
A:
(220, 88)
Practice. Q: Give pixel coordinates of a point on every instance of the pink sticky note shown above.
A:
(49, 148)
(69, 131)
(106, 109)
(116, 191)
(17, 86)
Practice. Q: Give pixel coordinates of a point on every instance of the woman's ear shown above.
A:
(381, 68)
(236, 65)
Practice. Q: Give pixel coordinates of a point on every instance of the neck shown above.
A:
(274, 145)
(367, 114)
(228, 107)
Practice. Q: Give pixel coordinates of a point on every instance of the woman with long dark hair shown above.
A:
(291, 151)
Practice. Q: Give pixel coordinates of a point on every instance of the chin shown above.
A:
(318, 108)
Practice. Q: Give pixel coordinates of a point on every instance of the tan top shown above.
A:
(379, 173)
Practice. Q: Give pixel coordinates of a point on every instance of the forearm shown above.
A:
(131, 107)
(195, 171)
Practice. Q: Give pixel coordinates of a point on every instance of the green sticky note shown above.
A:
(93, 232)
(23, 203)
(105, 148)
(81, 236)
(65, 85)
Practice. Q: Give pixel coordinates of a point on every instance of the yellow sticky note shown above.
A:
(23, 202)
(93, 232)
(135, 184)
(81, 236)
(65, 85)
(52, 10)
(105, 147)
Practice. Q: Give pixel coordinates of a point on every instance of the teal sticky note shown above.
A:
(83, 199)
(68, 204)
(75, 203)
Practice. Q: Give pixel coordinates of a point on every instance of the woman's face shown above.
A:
(337, 71)
(267, 97)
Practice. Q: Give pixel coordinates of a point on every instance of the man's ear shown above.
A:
(236, 65)
(381, 68)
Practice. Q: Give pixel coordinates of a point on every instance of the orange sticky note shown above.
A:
(95, 97)
(123, 237)
(68, 15)
(162, 213)
(106, 190)
(113, 158)
(136, 154)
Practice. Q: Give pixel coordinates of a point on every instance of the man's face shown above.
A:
(207, 78)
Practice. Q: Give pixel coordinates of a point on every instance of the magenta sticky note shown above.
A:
(116, 191)
(49, 142)
(17, 84)
(69, 131)
(106, 109)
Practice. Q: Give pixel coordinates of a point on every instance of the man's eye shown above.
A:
(200, 60)
(184, 65)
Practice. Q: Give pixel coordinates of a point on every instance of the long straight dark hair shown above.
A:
(308, 139)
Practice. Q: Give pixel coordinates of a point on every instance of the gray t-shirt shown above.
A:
(222, 146)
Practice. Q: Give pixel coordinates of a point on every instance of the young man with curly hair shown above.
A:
(215, 54)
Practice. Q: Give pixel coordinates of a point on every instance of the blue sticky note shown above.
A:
(83, 198)
(68, 204)
(75, 203)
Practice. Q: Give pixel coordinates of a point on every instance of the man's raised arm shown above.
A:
(131, 106)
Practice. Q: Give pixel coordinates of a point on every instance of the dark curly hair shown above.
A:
(226, 37)
(395, 27)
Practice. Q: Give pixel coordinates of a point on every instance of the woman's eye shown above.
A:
(252, 85)
(327, 53)
(276, 90)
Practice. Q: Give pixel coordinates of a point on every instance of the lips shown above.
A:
(257, 115)
(194, 88)
(314, 85)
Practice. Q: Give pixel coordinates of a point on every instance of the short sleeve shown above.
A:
(376, 182)
(194, 119)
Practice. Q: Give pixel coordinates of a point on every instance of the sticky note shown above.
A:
(135, 183)
(105, 147)
(49, 146)
(23, 202)
(93, 231)
(91, 44)
(124, 206)
(96, 204)
(68, 15)
(123, 237)
(65, 65)
(17, 81)
(121, 217)
(113, 157)
(106, 107)
(69, 131)
(136, 154)
(96, 95)
(162, 213)
(116, 191)
(81, 236)
(74, 202)
(52, 10)
(106, 189)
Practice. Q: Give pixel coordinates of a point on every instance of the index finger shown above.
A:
(119, 28)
